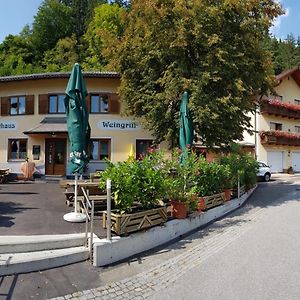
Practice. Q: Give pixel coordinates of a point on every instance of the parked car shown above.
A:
(264, 171)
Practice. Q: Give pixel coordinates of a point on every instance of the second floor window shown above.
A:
(56, 104)
(17, 105)
(275, 126)
(99, 103)
(297, 129)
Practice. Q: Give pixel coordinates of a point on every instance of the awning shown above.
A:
(49, 125)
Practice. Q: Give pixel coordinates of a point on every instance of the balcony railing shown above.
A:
(279, 138)
(278, 108)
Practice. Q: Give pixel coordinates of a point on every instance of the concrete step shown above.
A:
(20, 244)
(15, 263)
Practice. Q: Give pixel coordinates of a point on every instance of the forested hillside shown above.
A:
(64, 32)
(87, 31)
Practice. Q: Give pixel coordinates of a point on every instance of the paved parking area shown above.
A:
(37, 207)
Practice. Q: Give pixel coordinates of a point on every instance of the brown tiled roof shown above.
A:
(294, 73)
(58, 75)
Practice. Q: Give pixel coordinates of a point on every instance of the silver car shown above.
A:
(264, 171)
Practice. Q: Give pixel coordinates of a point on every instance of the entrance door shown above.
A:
(56, 157)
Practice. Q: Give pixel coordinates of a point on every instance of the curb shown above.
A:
(108, 252)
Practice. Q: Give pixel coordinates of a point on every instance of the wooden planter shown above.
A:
(214, 200)
(179, 209)
(130, 222)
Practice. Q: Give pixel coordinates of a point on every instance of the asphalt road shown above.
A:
(260, 259)
(253, 253)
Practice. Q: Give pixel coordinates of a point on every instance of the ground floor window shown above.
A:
(100, 149)
(17, 149)
(142, 147)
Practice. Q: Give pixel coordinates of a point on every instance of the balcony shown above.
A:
(279, 138)
(278, 108)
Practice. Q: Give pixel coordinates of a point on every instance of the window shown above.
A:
(17, 149)
(17, 105)
(142, 147)
(275, 97)
(297, 129)
(99, 103)
(275, 126)
(297, 101)
(100, 149)
(56, 104)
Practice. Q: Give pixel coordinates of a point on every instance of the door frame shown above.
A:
(51, 169)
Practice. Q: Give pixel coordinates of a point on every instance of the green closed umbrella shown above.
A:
(77, 121)
(186, 133)
(78, 130)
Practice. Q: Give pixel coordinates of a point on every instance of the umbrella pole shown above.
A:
(76, 193)
(75, 216)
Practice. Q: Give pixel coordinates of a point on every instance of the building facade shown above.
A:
(277, 125)
(33, 123)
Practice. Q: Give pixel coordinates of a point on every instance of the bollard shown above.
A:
(108, 220)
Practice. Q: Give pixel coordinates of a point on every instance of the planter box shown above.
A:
(126, 223)
(214, 200)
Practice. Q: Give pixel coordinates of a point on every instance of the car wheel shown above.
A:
(267, 177)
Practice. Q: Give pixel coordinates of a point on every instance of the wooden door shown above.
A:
(56, 156)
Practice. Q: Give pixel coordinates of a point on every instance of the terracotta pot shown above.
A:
(201, 206)
(178, 210)
(227, 193)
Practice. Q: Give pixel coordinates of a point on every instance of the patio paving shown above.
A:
(37, 208)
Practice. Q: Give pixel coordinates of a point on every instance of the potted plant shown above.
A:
(180, 181)
(137, 187)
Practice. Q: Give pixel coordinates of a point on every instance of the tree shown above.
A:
(211, 48)
(51, 23)
(82, 13)
(62, 57)
(16, 55)
(103, 32)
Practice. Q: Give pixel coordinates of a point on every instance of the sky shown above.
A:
(15, 14)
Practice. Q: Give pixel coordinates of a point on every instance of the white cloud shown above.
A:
(277, 23)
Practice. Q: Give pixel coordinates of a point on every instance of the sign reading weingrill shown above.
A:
(118, 125)
(8, 125)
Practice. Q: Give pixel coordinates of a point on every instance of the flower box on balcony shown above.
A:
(280, 138)
(278, 108)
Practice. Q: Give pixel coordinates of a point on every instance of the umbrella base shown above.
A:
(74, 217)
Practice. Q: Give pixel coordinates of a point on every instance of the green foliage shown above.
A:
(103, 31)
(213, 178)
(212, 48)
(51, 23)
(62, 57)
(136, 182)
(242, 167)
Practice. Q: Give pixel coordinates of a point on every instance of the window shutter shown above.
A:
(4, 106)
(113, 104)
(88, 103)
(30, 105)
(43, 104)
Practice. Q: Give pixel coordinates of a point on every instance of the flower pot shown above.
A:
(227, 193)
(178, 210)
(201, 206)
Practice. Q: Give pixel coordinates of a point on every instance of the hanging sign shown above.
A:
(126, 125)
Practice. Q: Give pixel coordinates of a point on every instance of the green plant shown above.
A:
(133, 181)
(180, 178)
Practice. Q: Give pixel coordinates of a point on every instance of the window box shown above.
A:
(280, 138)
(278, 108)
